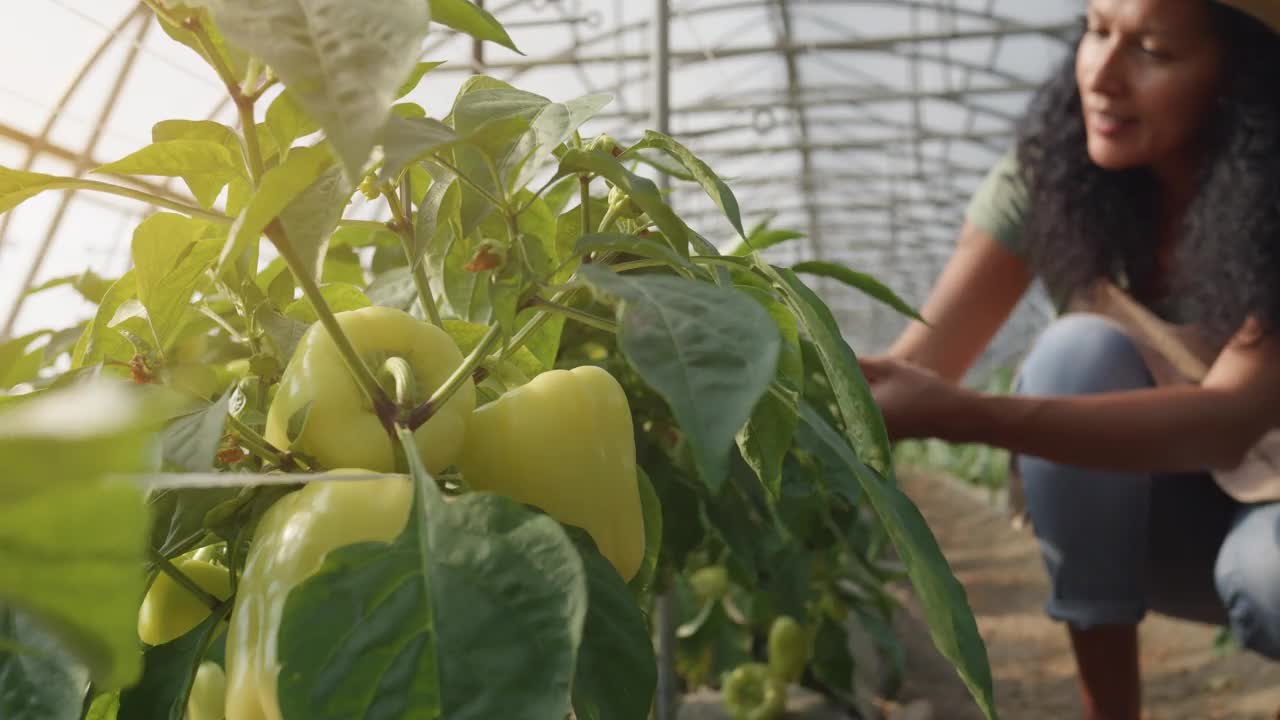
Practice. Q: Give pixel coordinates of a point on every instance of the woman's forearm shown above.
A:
(1168, 429)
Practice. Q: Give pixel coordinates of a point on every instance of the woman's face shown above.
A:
(1148, 71)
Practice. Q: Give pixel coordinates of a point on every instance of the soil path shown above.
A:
(999, 566)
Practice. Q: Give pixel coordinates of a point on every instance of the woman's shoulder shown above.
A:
(999, 205)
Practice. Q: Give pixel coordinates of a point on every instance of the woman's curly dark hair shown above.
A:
(1086, 222)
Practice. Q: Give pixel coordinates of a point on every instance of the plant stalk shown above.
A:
(423, 412)
(363, 376)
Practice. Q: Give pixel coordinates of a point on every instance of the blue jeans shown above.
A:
(1116, 545)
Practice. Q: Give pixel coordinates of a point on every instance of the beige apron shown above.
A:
(1175, 355)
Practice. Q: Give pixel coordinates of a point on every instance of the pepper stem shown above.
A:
(396, 377)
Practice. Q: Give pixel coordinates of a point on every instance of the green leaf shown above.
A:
(858, 281)
(287, 121)
(762, 240)
(766, 438)
(616, 670)
(196, 11)
(468, 335)
(39, 680)
(858, 410)
(283, 332)
(715, 188)
(504, 618)
(18, 363)
(710, 351)
(69, 530)
(104, 707)
(832, 662)
(168, 671)
(393, 288)
(92, 286)
(310, 218)
(178, 515)
(99, 342)
(558, 197)
(190, 442)
(280, 186)
(415, 77)
(343, 61)
(622, 242)
(340, 297)
(640, 189)
(17, 185)
(651, 507)
(946, 607)
(408, 139)
(206, 166)
(471, 19)
(170, 255)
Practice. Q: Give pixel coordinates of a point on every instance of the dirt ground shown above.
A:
(999, 566)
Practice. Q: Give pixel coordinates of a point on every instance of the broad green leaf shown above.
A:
(766, 438)
(558, 197)
(17, 185)
(280, 186)
(340, 297)
(640, 189)
(178, 515)
(199, 130)
(415, 76)
(858, 281)
(554, 125)
(343, 264)
(18, 363)
(467, 336)
(651, 506)
(616, 670)
(710, 351)
(715, 188)
(283, 332)
(408, 139)
(197, 10)
(191, 441)
(104, 707)
(763, 240)
(69, 530)
(832, 662)
(99, 342)
(364, 234)
(471, 19)
(622, 242)
(287, 121)
(946, 607)
(503, 619)
(39, 680)
(343, 61)
(393, 288)
(170, 255)
(310, 218)
(92, 286)
(168, 671)
(206, 165)
(858, 410)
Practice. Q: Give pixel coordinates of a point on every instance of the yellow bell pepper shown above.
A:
(170, 611)
(564, 443)
(289, 546)
(341, 428)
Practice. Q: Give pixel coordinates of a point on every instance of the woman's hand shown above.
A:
(915, 402)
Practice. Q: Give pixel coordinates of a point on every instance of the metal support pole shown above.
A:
(660, 120)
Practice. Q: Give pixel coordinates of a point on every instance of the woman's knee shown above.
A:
(1079, 354)
(1247, 575)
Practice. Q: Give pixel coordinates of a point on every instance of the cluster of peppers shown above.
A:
(513, 446)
